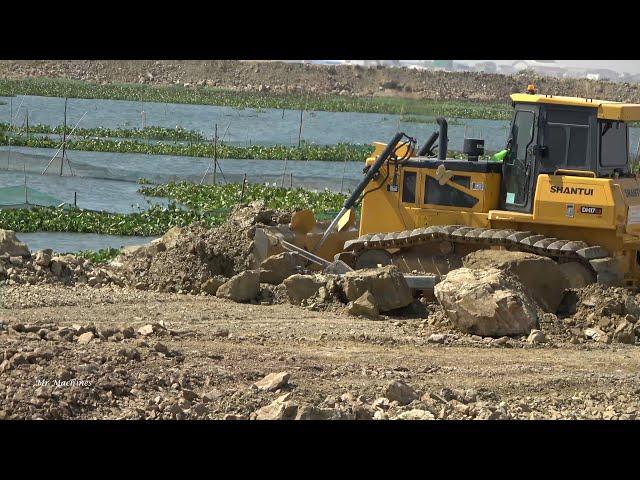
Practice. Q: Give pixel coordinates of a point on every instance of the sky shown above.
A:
(620, 66)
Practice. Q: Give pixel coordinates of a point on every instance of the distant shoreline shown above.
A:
(342, 81)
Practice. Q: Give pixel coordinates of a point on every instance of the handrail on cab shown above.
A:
(576, 173)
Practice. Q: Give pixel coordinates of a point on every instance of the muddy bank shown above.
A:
(344, 80)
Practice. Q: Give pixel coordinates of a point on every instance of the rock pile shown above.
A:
(603, 314)
(19, 266)
(196, 259)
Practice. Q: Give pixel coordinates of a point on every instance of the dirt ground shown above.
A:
(205, 354)
(287, 77)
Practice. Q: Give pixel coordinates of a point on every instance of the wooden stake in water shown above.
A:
(10, 128)
(244, 185)
(300, 128)
(215, 153)
(284, 171)
(24, 168)
(55, 155)
(290, 180)
(344, 169)
(64, 137)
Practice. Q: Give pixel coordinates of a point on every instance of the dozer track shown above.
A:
(594, 257)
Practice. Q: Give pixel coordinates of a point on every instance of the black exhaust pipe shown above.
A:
(444, 140)
(353, 198)
(426, 148)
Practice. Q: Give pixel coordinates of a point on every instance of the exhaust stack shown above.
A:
(444, 139)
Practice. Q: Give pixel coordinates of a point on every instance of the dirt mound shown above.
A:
(185, 258)
(343, 80)
(599, 313)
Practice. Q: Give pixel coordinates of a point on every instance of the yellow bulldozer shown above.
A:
(562, 188)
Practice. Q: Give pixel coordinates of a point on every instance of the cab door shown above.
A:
(518, 176)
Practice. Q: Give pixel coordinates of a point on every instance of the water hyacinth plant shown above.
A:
(221, 197)
(338, 152)
(150, 133)
(202, 95)
(208, 204)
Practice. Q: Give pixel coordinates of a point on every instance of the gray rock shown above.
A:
(400, 392)
(280, 409)
(131, 354)
(273, 381)
(436, 338)
(386, 284)
(302, 287)
(10, 245)
(316, 413)
(211, 285)
(189, 395)
(43, 257)
(161, 348)
(146, 330)
(625, 333)
(537, 336)
(416, 414)
(276, 268)
(364, 306)
(211, 396)
(543, 278)
(242, 287)
(597, 335)
(632, 307)
(486, 302)
(85, 338)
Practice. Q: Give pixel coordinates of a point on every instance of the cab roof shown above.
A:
(607, 110)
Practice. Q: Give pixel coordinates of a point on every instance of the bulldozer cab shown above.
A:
(556, 135)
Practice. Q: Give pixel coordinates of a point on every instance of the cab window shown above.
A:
(613, 143)
(409, 187)
(566, 136)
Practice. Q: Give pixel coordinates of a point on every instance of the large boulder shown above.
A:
(542, 277)
(242, 287)
(386, 284)
(486, 302)
(10, 245)
(277, 268)
(301, 287)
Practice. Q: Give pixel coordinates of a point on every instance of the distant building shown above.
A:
(506, 69)
(374, 63)
(443, 65)
(604, 74)
(485, 67)
(538, 66)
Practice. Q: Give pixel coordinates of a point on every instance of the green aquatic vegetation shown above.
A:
(104, 255)
(307, 151)
(208, 204)
(207, 198)
(202, 95)
(150, 133)
(426, 120)
(154, 221)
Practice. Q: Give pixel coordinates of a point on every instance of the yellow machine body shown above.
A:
(567, 205)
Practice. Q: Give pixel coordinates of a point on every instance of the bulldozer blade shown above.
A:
(338, 267)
